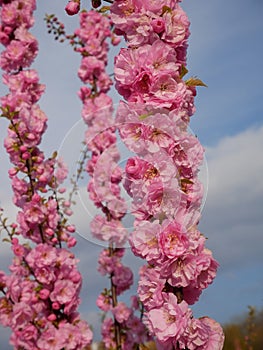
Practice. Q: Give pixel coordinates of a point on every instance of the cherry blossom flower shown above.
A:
(73, 7)
(170, 320)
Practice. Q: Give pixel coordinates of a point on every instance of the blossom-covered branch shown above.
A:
(121, 328)
(162, 177)
(40, 296)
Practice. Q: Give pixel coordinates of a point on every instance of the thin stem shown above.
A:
(142, 312)
(28, 163)
(79, 174)
(117, 328)
(4, 226)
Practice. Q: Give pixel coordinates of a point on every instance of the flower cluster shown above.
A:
(149, 71)
(41, 295)
(162, 177)
(121, 329)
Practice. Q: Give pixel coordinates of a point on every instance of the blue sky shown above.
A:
(225, 51)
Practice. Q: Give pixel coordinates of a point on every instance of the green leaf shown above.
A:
(194, 81)
(166, 9)
(144, 116)
(38, 288)
(187, 181)
(183, 71)
(144, 347)
(104, 9)
(4, 221)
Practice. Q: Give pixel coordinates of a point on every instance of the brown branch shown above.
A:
(117, 328)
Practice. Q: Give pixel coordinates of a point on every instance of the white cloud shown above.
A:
(232, 215)
(237, 162)
(4, 336)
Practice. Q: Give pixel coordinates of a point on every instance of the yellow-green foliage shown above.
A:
(245, 334)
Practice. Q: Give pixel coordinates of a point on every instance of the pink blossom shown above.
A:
(14, 15)
(180, 272)
(107, 332)
(18, 249)
(50, 339)
(126, 67)
(121, 312)
(71, 242)
(43, 255)
(115, 40)
(169, 321)
(203, 333)
(137, 330)
(64, 291)
(160, 59)
(118, 209)
(6, 312)
(153, 201)
(9, 14)
(145, 126)
(25, 83)
(104, 302)
(122, 278)
(167, 92)
(12, 57)
(22, 314)
(90, 68)
(134, 302)
(158, 192)
(216, 335)
(25, 337)
(85, 332)
(104, 82)
(13, 285)
(173, 240)
(73, 7)
(101, 138)
(52, 317)
(44, 294)
(150, 288)
(111, 231)
(45, 275)
(207, 268)
(132, 129)
(18, 268)
(44, 272)
(176, 27)
(191, 293)
(144, 240)
(61, 171)
(20, 52)
(149, 5)
(94, 28)
(158, 25)
(121, 12)
(4, 35)
(133, 24)
(70, 335)
(107, 263)
(33, 213)
(137, 168)
(136, 69)
(188, 154)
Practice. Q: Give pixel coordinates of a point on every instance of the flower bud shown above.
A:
(73, 7)
(96, 3)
